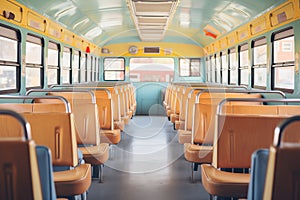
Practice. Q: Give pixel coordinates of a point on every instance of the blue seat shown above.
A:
(46, 172)
(259, 163)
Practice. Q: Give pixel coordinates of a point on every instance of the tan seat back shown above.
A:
(238, 136)
(17, 107)
(57, 132)
(204, 114)
(19, 171)
(87, 123)
(183, 103)
(19, 177)
(283, 171)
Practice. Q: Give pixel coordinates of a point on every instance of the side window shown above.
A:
(244, 64)
(218, 68)
(66, 65)
(189, 67)
(83, 69)
(213, 68)
(259, 75)
(9, 62)
(283, 66)
(233, 70)
(149, 69)
(34, 66)
(89, 68)
(208, 70)
(75, 67)
(114, 69)
(224, 67)
(53, 66)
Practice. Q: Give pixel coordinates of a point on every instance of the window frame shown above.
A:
(54, 46)
(232, 68)
(76, 68)
(190, 67)
(67, 68)
(257, 43)
(123, 70)
(224, 68)
(12, 34)
(241, 48)
(32, 38)
(279, 35)
(83, 68)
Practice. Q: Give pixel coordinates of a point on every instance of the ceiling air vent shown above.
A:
(152, 17)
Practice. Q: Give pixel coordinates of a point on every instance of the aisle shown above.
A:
(148, 163)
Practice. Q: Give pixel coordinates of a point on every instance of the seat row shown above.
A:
(70, 126)
(226, 139)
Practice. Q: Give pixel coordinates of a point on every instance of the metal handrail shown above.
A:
(220, 106)
(282, 94)
(64, 90)
(64, 100)
(88, 88)
(279, 130)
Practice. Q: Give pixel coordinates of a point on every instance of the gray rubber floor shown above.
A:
(148, 164)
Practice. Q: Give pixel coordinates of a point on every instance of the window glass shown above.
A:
(260, 78)
(213, 69)
(83, 69)
(9, 63)
(208, 70)
(233, 67)
(66, 68)
(34, 61)
(89, 68)
(244, 64)
(53, 66)
(260, 62)
(151, 69)
(75, 69)
(224, 68)
(8, 77)
(283, 60)
(12, 45)
(218, 69)
(114, 69)
(189, 67)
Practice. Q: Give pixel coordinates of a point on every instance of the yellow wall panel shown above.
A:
(54, 30)
(180, 50)
(224, 43)
(282, 14)
(36, 22)
(243, 33)
(231, 39)
(68, 37)
(10, 9)
(259, 25)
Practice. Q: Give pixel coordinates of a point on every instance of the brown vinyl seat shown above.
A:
(236, 138)
(20, 178)
(87, 128)
(58, 133)
(203, 126)
(282, 176)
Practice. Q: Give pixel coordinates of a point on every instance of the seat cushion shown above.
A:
(73, 182)
(225, 184)
(96, 155)
(110, 136)
(198, 153)
(184, 136)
